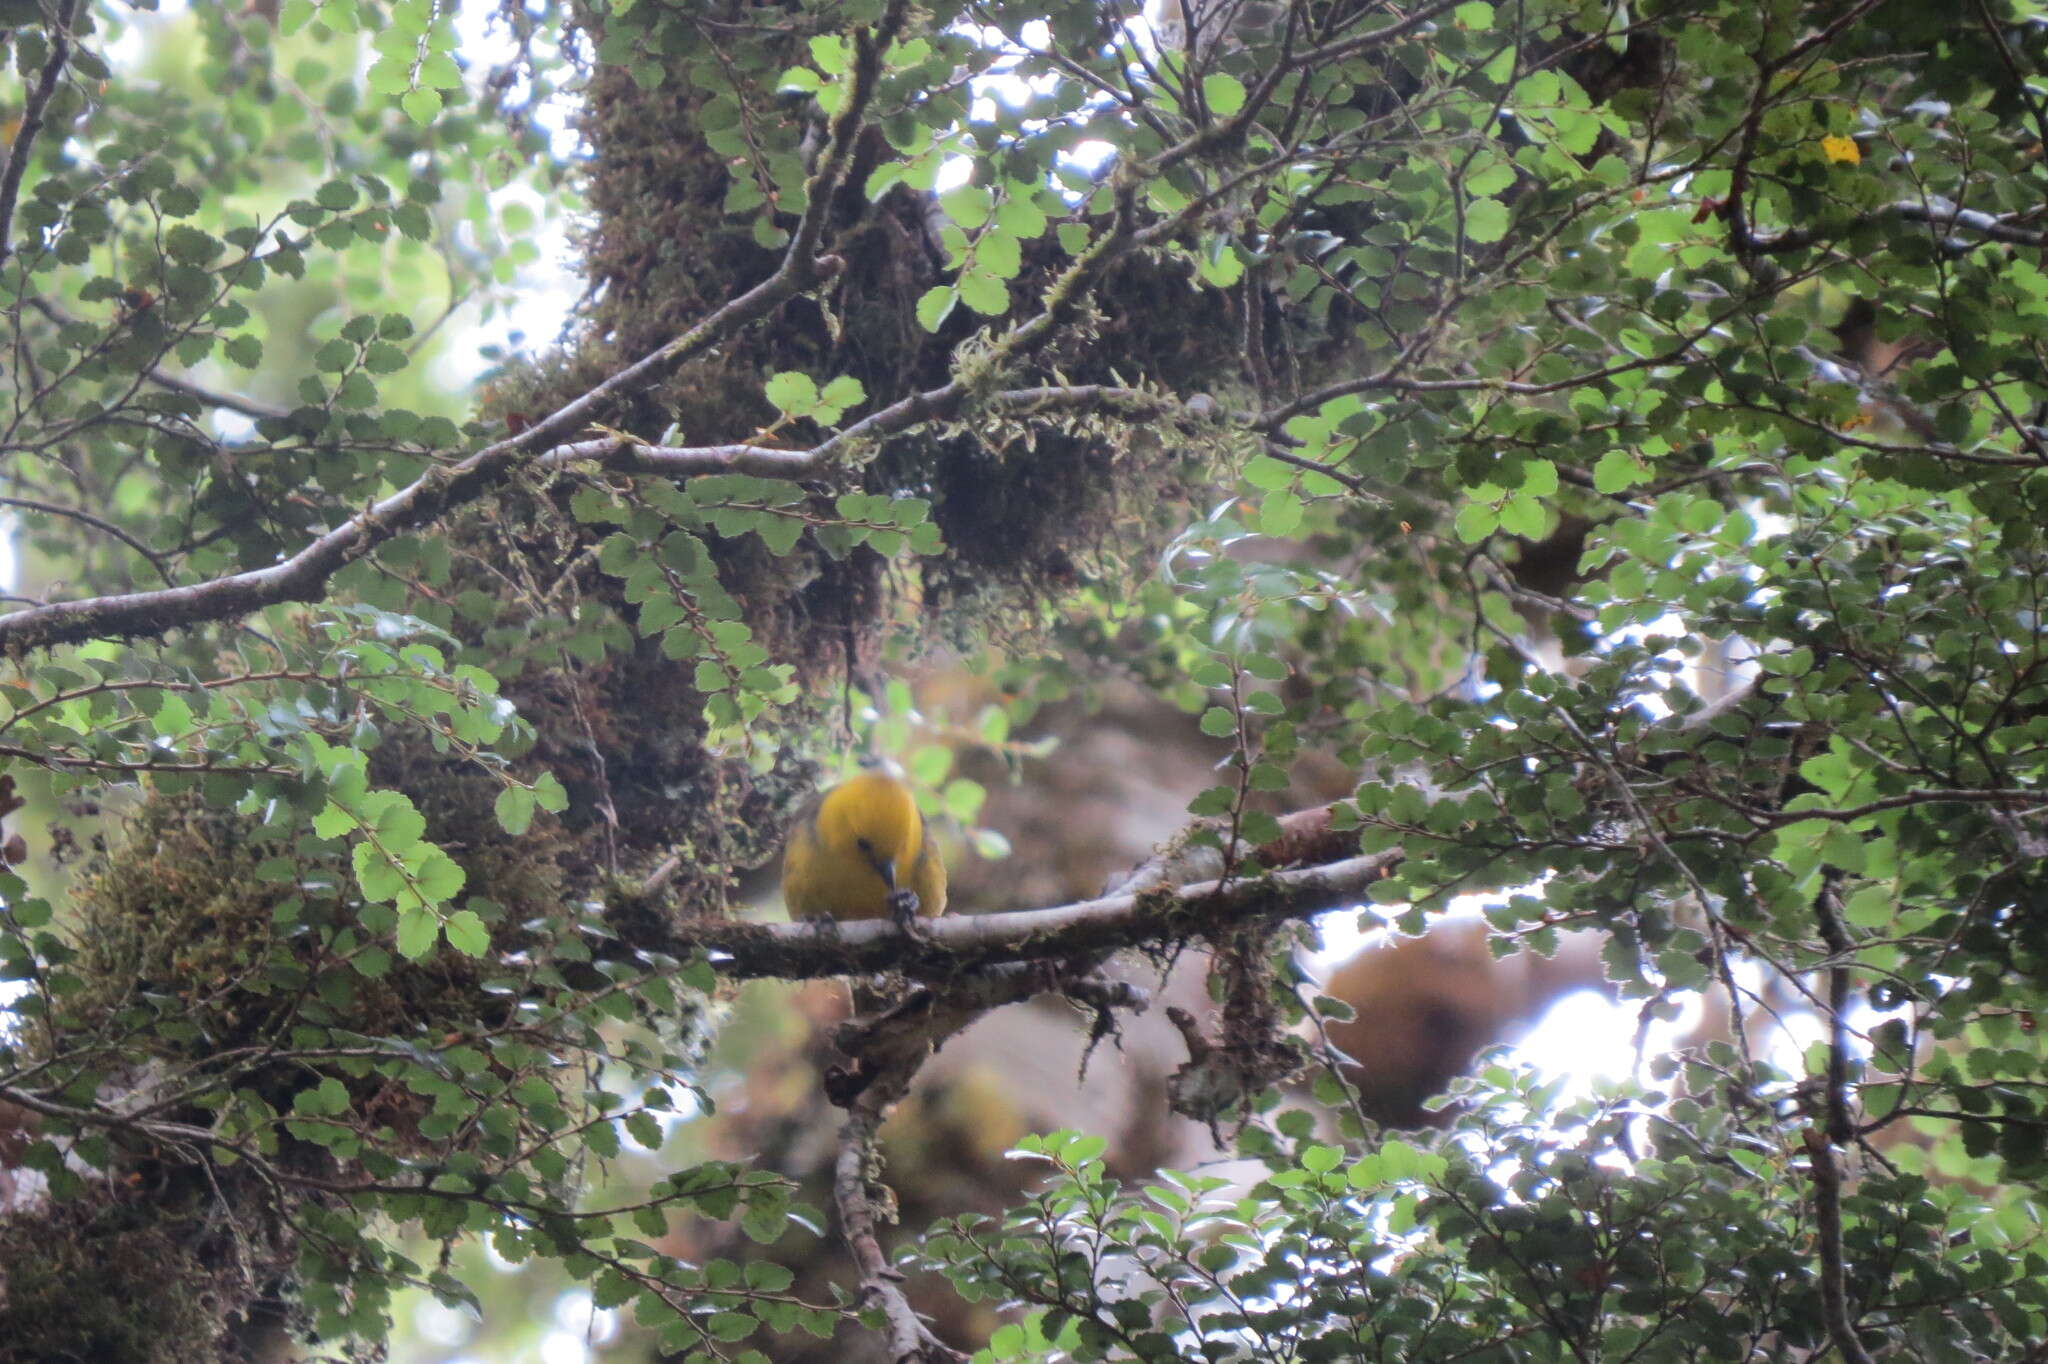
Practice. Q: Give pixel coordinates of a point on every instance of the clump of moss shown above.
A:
(214, 920)
(140, 1275)
(174, 919)
(1021, 518)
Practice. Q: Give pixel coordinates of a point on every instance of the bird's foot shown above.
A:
(903, 907)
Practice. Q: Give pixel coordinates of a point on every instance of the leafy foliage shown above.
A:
(1612, 433)
(1573, 1236)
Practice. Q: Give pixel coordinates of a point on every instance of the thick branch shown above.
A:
(1942, 216)
(303, 576)
(1827, 909)
(623, 454)
(961, 943)
(880, 1285)
(889, 1050)
(1827, 1219)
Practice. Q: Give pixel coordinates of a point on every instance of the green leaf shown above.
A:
(1322, 1159)
(421, 106)
(831, 52)
(1486, 220)
(438, 876)
(333, 821)
(1223, 267)
(1476, 521)
(381, 357)
(792, 393)
(1020, 218)
(418, 929)
(1280, 514)
(935, 305)
(439, 70)
(1616, 471)
(379, 878)
(1223, 94)
(842, 393)
(336, 195)
(984, 293)
(998, 254)
(730, 1326)
(335, 356)
(967, 205)
(779, 533)
(191, 246)
(467, 933)
(514, 808)
(1521, 515)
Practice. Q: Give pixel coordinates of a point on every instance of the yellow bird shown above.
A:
(860, 851)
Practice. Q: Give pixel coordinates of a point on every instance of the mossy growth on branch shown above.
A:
(673, 237)
(140, 1271)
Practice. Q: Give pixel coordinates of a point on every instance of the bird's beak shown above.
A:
(885, 867)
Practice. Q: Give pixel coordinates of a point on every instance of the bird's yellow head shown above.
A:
(860, 852)
(872, 817)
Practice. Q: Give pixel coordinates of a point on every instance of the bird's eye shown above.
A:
(865, 846)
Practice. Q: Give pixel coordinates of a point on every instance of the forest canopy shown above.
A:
(1579, 462)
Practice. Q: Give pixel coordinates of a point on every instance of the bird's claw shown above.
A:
(903, 907)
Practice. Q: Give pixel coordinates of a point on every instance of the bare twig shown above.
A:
(1840, 1128)
(1943, 217)
(155, 560)
(910, 1342)
(1827, 908)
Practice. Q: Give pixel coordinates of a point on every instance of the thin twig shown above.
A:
(304, 575)
(888, 1051)
(210, 397)
(1942, 217)
(156, 560)
(32, 122)
(1827, 909)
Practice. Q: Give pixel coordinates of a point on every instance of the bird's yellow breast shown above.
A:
(860, 841)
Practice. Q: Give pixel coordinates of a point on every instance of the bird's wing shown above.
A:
(928, 877)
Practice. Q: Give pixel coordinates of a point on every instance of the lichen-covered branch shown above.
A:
(967, 942)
